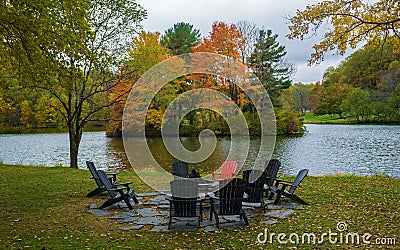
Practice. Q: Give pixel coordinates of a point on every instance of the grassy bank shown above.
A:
(310, 118)
(21, 130)
(45, 208)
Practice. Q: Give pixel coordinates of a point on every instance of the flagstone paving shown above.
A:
(280, 214)
(153, 210)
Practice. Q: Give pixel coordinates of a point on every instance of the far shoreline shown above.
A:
(310, 118)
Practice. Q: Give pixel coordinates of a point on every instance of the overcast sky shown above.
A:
(268, 14)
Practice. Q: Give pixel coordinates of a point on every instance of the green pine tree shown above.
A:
(268, 64)
(181, 38)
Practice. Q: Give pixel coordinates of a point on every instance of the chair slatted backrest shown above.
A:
(184, 197)
(106, 182)
(180, 169)
(228, 169)
(231, 196)
(299, 178)
(271, 171)
(94, 173)
(255, 185)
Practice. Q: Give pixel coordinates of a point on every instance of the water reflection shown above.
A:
(324, 149)
(116, 152)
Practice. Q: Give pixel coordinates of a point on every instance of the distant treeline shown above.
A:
(23, 109)
(364, 87)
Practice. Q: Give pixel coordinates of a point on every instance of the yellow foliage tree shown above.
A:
(348, 22)
(26, 114)
(146, 52)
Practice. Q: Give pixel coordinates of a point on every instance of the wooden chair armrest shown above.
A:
(290, 184)
(112, 176)
(202, 197)
(126, 184)
(117, 189)
(279, 181)
(111, 173)
(211, 195)
(235, 199)
(170, 197)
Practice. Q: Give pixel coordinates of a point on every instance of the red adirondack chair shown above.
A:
(228, 170)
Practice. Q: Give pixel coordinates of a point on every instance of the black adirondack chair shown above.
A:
(95, 176)
(185, 201)
(255, 187)
(271, 174)
(180, 169)
(279, 191)
(117, 194)
(229, 200)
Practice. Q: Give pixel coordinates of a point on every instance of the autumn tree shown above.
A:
(395, 103)
(389, 79)
(331, 98)
(313, 98)
(364, 66)
(287, 116)
(386, 96)
(348, 24)
(262, 52)
(9, 110)
(181, 38)
(45, 113)
(4, 107)
(69, 49)
(35, 35)
(26, 114)
(224, 39)
(373, 78)
(378, 73)
(145, 52)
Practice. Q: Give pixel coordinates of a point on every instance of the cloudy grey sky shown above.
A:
(268, 14)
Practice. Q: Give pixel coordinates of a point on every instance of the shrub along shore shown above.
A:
(45, 207)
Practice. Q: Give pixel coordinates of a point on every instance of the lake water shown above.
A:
(324, 149)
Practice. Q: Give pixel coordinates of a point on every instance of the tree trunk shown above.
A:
(75, 135)
(233, 91)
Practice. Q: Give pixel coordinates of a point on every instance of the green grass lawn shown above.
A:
(44, 208)
(335, 119)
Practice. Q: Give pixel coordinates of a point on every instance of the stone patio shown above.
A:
(153, 209)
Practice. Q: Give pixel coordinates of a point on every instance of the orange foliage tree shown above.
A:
(224, 39)
(146, 52)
